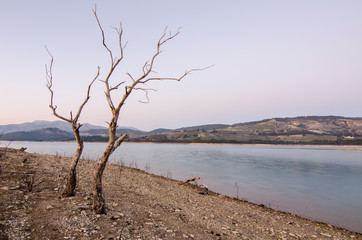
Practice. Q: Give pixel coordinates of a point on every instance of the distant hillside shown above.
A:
(45, 134)
(104, 132)
(298, 130)
(39, 124)
(85, 129)
(204, 127)
(160, 130)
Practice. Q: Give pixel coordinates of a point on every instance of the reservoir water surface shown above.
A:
(322, 183)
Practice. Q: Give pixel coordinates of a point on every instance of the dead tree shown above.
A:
(133, 84)
(71, 181)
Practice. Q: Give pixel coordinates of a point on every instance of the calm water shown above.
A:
(319, 183)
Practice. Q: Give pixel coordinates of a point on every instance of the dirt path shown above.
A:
(140, 206)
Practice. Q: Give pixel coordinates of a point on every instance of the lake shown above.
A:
(322, 183)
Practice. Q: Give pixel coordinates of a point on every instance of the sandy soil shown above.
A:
(140, 206)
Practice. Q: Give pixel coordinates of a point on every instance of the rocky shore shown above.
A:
(140, 206)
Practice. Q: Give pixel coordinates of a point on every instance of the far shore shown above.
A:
(336, 147)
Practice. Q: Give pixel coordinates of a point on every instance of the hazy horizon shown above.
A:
(272, 59)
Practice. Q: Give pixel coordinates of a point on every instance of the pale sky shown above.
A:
(272, 59)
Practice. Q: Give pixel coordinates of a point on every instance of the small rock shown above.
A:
(293, 235)
(169, 231)
(212, 216)
(82, 224)
(49, 207)
(56, 189)
(5, 188)
(114, 217)
(192, 236)
(185, 236)
(325, 235)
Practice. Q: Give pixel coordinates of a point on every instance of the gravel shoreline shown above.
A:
(140, 206)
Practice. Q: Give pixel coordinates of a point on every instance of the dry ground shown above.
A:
(140, 206)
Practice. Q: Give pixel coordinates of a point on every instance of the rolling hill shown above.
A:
(44, 134)
(297, 130)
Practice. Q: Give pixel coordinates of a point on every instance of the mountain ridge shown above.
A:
(289, 130)
(40, 124)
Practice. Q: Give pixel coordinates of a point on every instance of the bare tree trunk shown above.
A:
(71, 183)
(99, 202)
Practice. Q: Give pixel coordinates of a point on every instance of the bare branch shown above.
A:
(118, 142)
(49, 76)
(146, 90)
(160, 42)
(103, 37)
(148, 68)
(87, 97)
(114, 61)
(174, 79)
(145, 67)
(193, 179)
(116, 87)
(109, 100)
(131, 77)
(120, 33)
